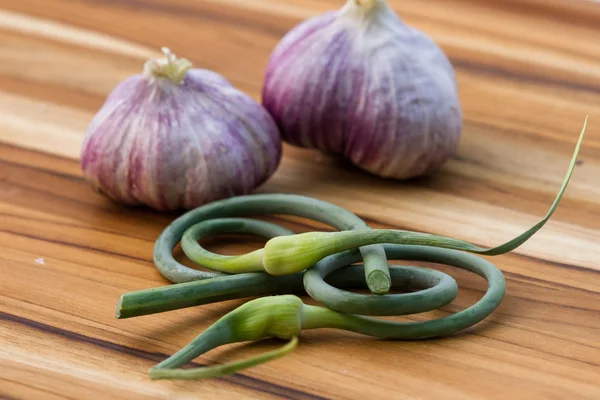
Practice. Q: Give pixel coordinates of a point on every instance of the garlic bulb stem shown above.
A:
(170, 67)
(368, 4)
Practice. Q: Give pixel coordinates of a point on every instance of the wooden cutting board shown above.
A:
(529, 73)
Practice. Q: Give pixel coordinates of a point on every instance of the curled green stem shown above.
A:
(285, 316)
(423, 289)
(376, 267)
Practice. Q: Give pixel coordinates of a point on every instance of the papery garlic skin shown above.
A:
(178, 145)
(361, 83)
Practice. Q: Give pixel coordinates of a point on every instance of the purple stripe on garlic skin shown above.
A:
(360, 83)
(178, 139)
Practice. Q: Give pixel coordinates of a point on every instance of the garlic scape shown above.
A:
(360, 83)
(175, 137)
(318, 256)
(285, 316)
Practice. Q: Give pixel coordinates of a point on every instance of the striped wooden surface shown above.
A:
(529, 72)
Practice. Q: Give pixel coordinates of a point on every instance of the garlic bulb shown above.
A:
(360, 83)
(177, 138)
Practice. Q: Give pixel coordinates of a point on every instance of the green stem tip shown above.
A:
(224, 369)
(379, 282)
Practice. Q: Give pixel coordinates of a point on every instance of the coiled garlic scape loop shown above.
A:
(177, 138)
(361, 83)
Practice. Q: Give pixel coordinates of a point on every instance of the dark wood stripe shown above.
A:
(549, 284)
(52, 93)
(559, 264)
(520, 76)
(65, 224)
(565, 141)
(213, 13)
(79, 246)
(237, 379)
(36, 388)
(534, 349)
(7, 397)
(58, 196)
(111, 209)
(577, 13)
(61, 175)
(544, 352)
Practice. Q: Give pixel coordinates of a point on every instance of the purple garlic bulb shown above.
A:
(177, 138)
(361, 83)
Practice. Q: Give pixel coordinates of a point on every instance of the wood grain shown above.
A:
(529, 72)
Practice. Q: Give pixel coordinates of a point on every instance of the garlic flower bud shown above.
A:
(360, 83)
(175, 137)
